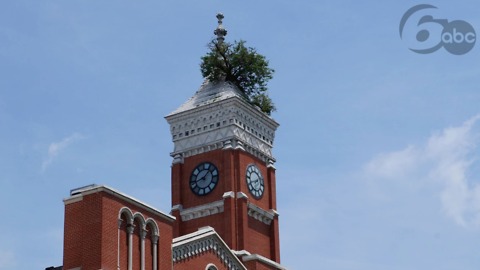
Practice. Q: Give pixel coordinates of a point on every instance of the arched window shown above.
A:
(137, 241)
(151, 245)
(125, 223)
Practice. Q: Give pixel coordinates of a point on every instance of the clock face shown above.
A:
(204, 178)
(255, 181)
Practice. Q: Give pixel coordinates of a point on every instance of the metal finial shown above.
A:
(220, 32)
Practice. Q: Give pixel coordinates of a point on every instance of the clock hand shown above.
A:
(203, 179)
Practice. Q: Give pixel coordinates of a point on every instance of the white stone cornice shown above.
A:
(205, 240)
(261, 214)
(271, 164)
(224, 124)
(73, 199)
(239, 146)
(78, 194)
(256, 257)
(177, 207)
(202, 210)
(227, 145)
(177, 159)
(241, 253)
(241, 195)
(229, 194)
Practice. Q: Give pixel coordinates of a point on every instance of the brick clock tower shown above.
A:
(223, 173)
(223, 214)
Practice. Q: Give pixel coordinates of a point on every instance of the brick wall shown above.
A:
(92, 237)
(235, 227)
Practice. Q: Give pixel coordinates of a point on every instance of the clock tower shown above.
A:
(223, 173)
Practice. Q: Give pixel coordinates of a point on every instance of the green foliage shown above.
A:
(243, 67)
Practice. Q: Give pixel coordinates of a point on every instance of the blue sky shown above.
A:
(377, 152)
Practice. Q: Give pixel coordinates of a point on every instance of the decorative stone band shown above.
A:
(207, 241)
(202, 210)
(260, 214)
(237, 141)
(218, 207)
(227, 123)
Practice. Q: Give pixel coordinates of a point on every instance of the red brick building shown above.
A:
(224, 213)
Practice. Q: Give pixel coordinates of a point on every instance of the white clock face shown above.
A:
(255, 182)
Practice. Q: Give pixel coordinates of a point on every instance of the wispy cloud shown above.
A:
(55, 148)
(445, 159)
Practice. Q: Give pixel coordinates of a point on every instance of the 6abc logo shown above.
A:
(457, 37)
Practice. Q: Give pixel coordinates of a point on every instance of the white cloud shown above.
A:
(445, 159)
(394, 164)
(55, 148)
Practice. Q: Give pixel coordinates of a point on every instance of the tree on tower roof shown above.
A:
(240, 65)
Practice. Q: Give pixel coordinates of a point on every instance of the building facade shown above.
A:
(224, 213)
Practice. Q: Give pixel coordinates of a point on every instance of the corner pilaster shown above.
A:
(229, 219)
(242, 207)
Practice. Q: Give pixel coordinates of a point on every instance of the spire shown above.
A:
(220, 32)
